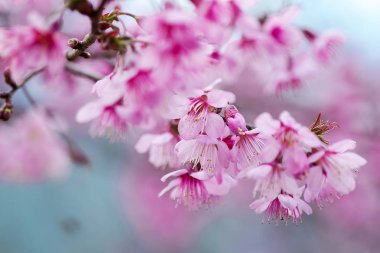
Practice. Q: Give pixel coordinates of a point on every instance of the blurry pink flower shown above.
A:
(220, 17)
(124, 97)
(176, 47)
(29, 48)
(325, 44)
(281, 31)
(161, 149)
(338, 165)
(30, 151)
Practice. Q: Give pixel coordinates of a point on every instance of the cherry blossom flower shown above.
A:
(29, 48)
(109, 110)
(248, 144)
(337, 165)
(199, 110)
(161, 149)
(176, 47)
(282, 207)
(194, 189)
(287, 132)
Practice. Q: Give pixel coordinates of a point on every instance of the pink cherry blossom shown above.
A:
(281, 31)
(248, 143)
(194, 189)
(161, 149)
(176, 47)
(286, 130)
(198, 111)
(108, 112)
(338, 165)
(282, 207)
(208, 150)
(29, 48)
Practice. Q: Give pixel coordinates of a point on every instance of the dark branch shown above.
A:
(90, 38)
(82, 74)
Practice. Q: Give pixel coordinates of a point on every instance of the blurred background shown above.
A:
(112, 206)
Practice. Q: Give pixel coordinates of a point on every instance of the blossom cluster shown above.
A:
(167, 71)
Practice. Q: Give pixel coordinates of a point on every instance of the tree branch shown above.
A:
(90, 38)
(82, 74)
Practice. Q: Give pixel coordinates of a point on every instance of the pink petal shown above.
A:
(304, 207)
(188, 128)
(314, 182)
(351, 160)
(215, 126)
(288, 120)
(220, 98)
(342, 182)
(295, 160)
(217, 189)
(174, 174)
(287, 201)
(271, 149)
(144, 143)
(309, 138)
(89, 112)
(162, 138)
(259, 172)
(266, 124)
(316, 156)
(260, 205)
(170, 186)
(342, 146)
(200, 175)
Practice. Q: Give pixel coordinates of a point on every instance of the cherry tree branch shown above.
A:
(80, 47)
(14, 86)
(80, 73)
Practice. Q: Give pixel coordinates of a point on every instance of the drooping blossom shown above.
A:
(337, 165)
(279, 193)
(282, 207)
(161, 149)
(248, 143)
(207, 150)
(194, 189)
(108, 112)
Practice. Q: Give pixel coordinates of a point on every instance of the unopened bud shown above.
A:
(73, 43)
(85, 55)
(6, 111)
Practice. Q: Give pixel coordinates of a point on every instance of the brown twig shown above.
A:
(90, 38)
(79, 73)
(14, 86)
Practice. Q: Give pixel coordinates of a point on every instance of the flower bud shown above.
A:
(6, 111)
